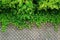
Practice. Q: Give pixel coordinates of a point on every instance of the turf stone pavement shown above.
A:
(45, 33)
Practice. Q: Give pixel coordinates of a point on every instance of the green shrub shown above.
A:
(23, 13)
(45, 4)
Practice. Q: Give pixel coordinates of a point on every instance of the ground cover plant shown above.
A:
(23, 13)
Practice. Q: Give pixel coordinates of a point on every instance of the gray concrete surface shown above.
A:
(45, 33)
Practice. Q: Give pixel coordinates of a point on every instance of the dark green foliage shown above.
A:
(23, 13)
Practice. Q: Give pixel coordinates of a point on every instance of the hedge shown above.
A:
(44, 4)
(25, 13)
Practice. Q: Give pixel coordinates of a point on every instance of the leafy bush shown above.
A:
(45, 4)
(23, 13)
